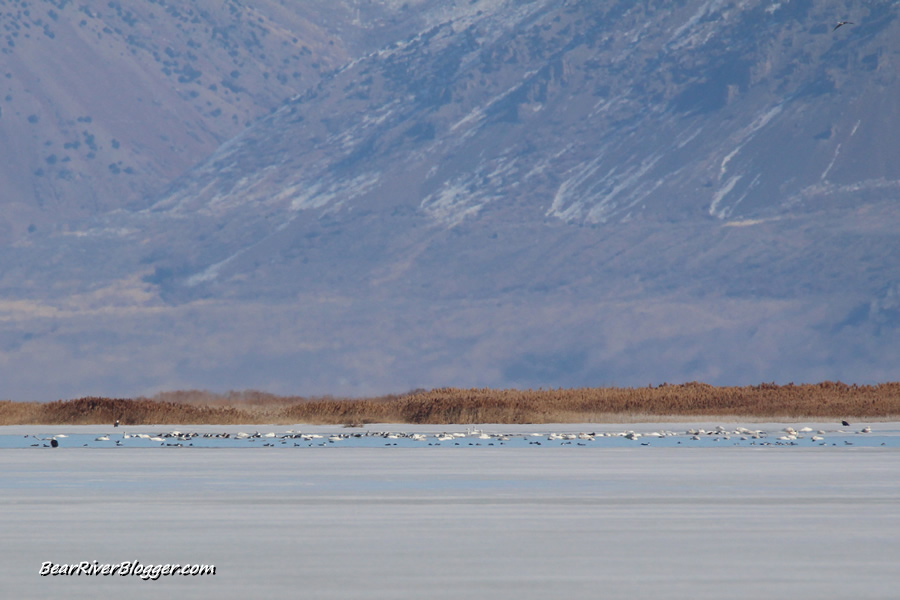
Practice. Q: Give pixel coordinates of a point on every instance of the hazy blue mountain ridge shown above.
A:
(510, 193)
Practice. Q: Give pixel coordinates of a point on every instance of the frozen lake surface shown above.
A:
(516, 521)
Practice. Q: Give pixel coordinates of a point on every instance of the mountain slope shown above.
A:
(518, 193)
(557, 100)
(107, 102)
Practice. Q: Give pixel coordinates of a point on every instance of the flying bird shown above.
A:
(843, 23)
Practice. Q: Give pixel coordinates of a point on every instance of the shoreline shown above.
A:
(683, 403)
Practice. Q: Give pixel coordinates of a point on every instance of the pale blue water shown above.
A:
(883, 435)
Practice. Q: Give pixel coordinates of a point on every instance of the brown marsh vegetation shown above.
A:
(689, 401)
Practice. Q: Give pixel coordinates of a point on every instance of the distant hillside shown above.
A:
(490, 192)
(107, 102)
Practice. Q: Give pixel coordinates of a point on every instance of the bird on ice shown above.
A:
(840, 23)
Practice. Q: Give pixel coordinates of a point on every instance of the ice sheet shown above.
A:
(412, 523)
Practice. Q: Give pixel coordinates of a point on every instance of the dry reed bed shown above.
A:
(828, 400)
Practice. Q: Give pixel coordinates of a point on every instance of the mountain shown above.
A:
(491, 192)
(109, 101)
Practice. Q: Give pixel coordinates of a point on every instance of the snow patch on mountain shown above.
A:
(304, 195)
